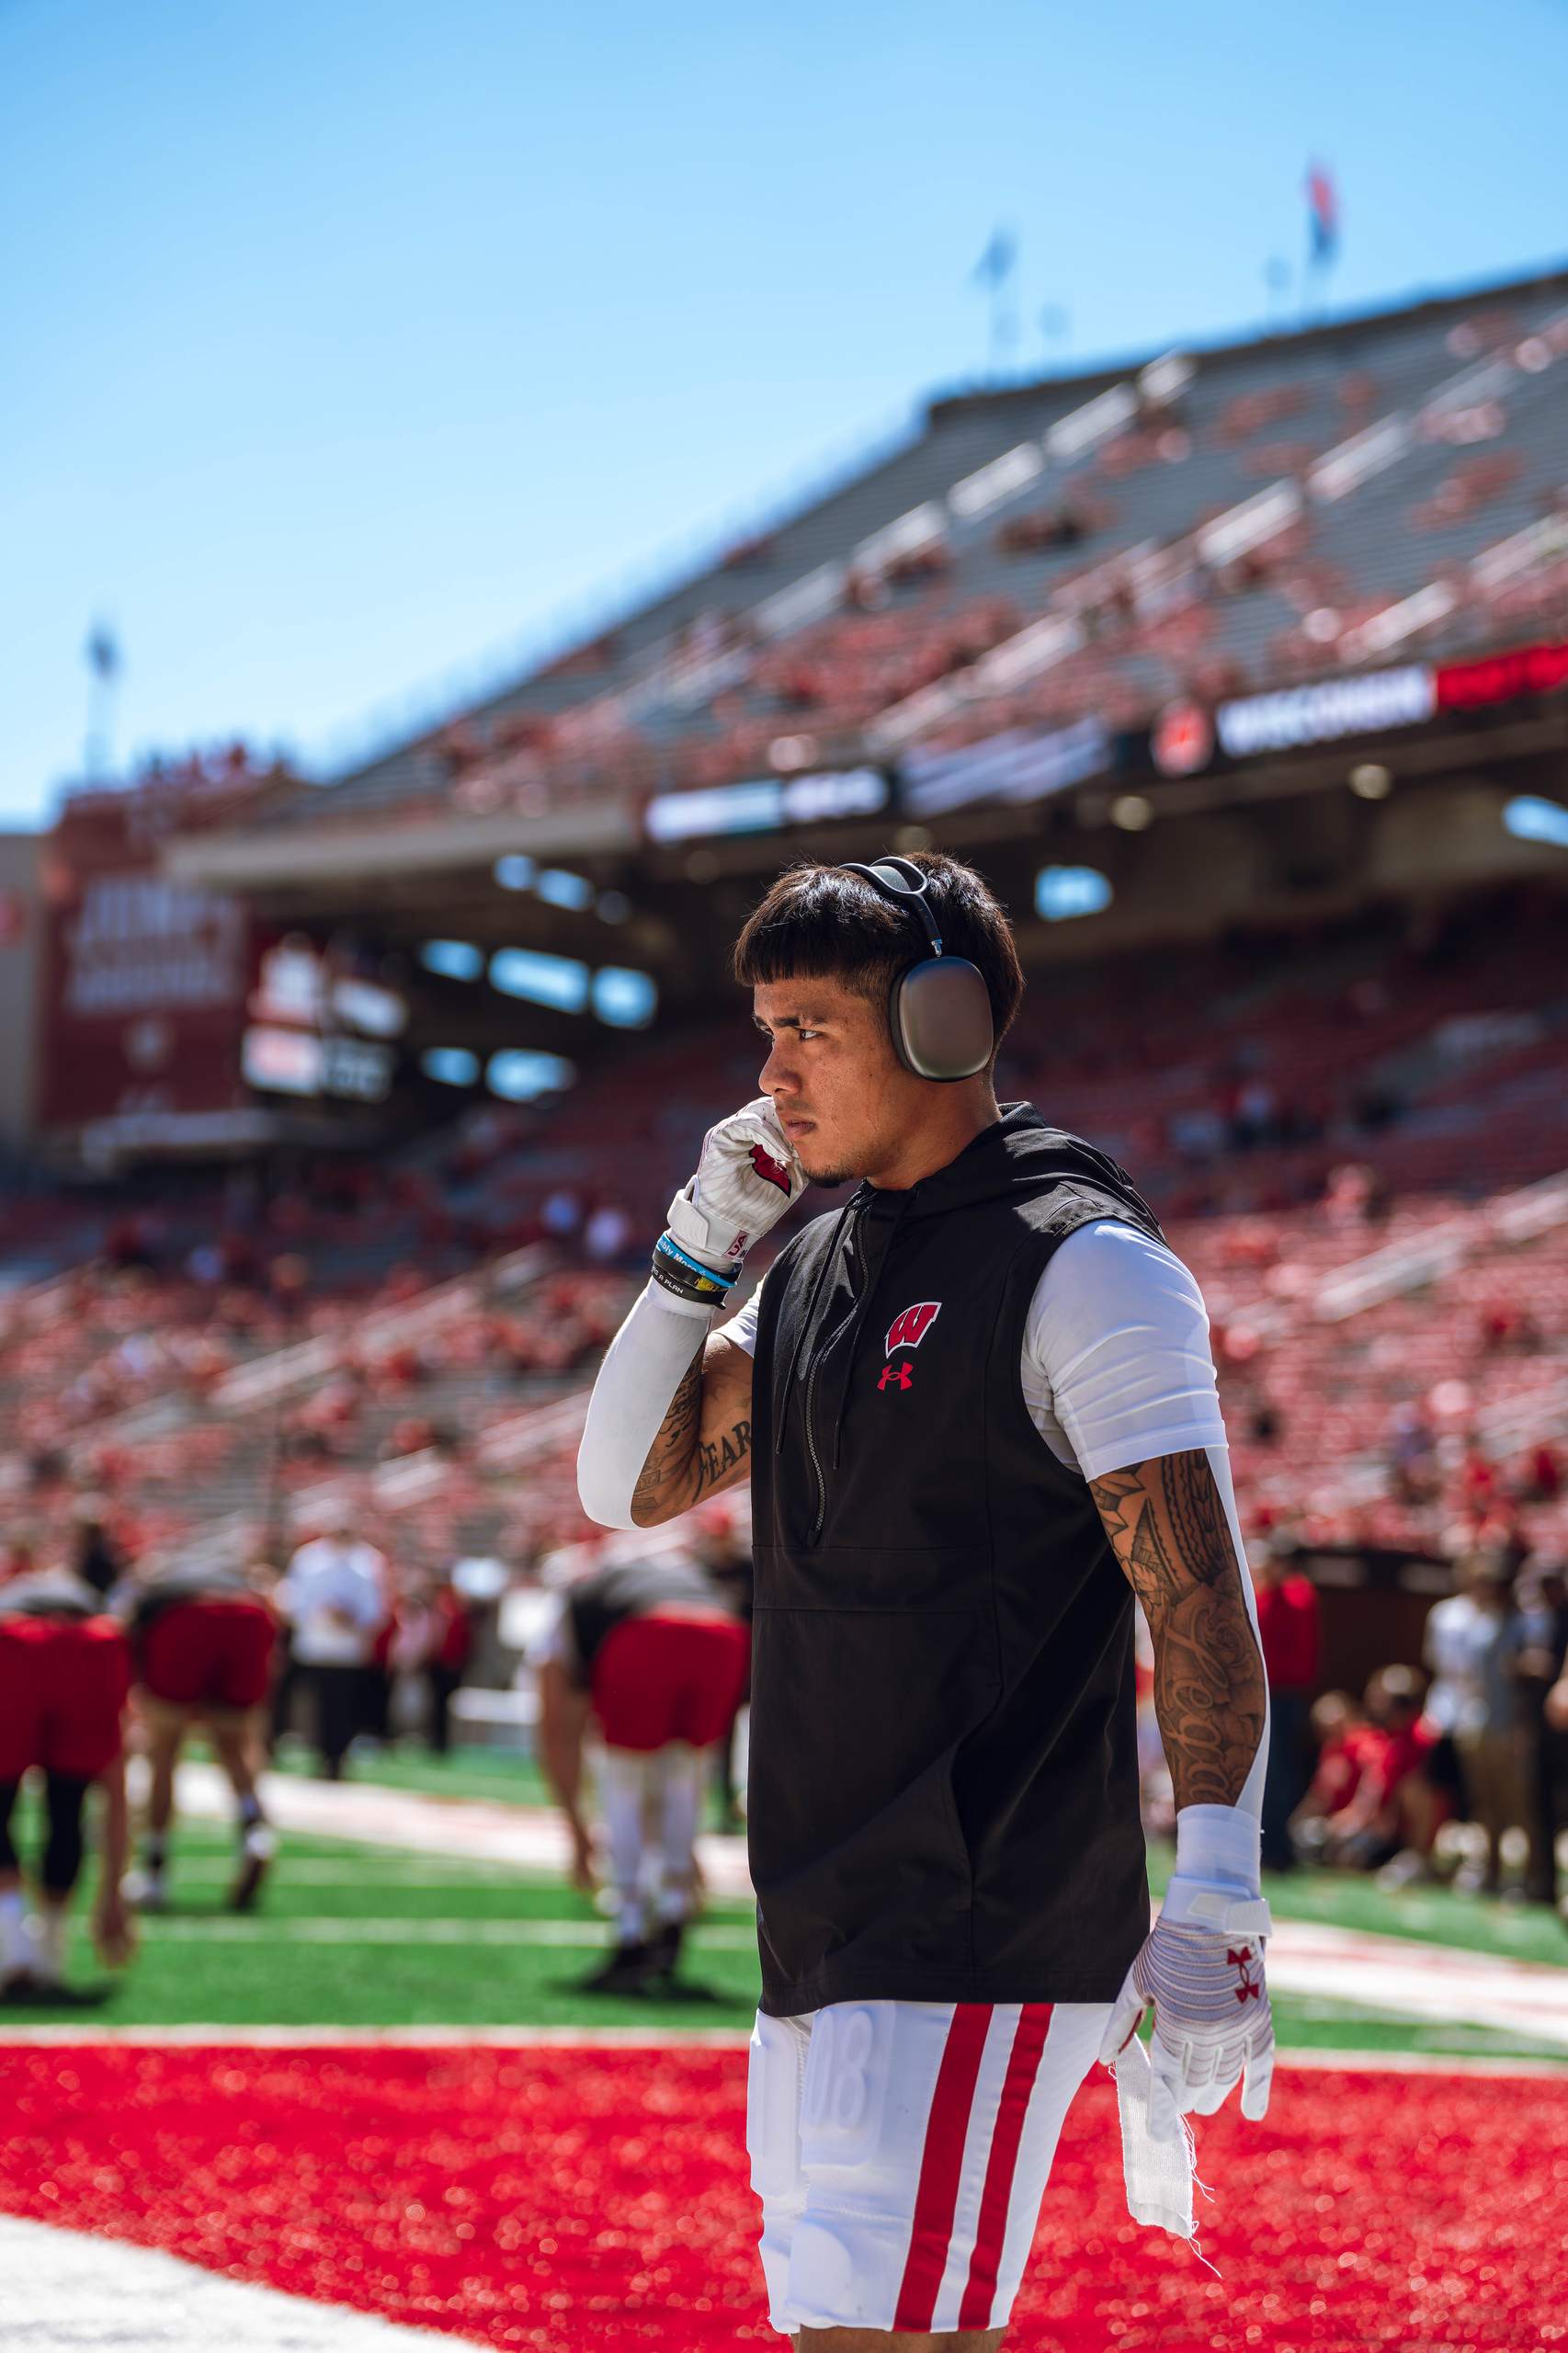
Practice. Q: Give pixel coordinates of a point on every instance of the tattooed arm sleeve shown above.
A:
(1171, 1532)
(669, 1419)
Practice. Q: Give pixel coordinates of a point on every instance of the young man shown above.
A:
(64, 1674)
(977, 1405)
(337, 1596)
(204, 1644)
(653, 1653)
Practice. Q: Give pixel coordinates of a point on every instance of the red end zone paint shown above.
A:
(559, 2199)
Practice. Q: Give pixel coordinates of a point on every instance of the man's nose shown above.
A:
(775, 1072)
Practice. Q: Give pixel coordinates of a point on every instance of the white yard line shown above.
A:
(478, 1829)
(67, 2293)
(720, 1937)
(191, 2037)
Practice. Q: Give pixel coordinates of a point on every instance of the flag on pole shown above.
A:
(102, 652)
(1323, 218)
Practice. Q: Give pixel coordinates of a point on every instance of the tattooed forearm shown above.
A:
(727, 1454)
(704, 1441)
(665, 1474)
(1168, 1529)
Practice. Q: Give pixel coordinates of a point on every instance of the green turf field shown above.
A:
(366, 1937)
(1344, 1900)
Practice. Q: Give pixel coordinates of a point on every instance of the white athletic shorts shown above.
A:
(901, 2151)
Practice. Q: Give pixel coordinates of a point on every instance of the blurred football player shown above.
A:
(65, 1674)
(652, 1655)
(977, 1405)
(204, 1644)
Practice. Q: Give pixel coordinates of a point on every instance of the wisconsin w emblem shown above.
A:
(910, 1325)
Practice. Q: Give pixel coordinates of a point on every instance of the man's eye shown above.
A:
(804, 1034)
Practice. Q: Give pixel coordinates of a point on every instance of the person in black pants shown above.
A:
(1541, 1676)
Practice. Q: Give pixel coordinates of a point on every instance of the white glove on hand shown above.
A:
(747, 1176)
(1201, 1969)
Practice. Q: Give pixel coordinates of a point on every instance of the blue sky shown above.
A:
(347, 342)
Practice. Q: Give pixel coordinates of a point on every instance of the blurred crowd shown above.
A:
(1455, 1769)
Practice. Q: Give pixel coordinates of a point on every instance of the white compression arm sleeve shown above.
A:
(644, 1367)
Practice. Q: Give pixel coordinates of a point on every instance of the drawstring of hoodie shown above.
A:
(829, 1255)
(865, 1300)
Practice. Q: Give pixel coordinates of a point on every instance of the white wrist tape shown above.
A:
(645, 1364)
(1220, 1845)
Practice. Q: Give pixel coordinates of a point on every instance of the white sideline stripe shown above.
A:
(67, 2292)
(723, 1937)
(1441, 1983)
(420, 1874)
(453, 1829)
(662, 2037)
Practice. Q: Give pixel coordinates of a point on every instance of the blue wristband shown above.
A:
(705, 1276)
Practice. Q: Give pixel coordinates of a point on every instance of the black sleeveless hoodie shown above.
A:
(944, 1786)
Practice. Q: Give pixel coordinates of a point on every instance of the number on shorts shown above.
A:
(839, 2078)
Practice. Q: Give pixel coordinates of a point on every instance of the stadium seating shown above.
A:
(1348, 1132)
(1214, 522)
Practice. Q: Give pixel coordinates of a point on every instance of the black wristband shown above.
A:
(682, 1280)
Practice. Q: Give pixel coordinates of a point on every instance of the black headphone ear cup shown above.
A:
(939, 1015)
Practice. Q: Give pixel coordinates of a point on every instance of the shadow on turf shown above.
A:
(51, 1999)
(667, 1993)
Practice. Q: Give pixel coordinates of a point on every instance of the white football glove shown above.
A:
(1200, 1967)
(747, 1177)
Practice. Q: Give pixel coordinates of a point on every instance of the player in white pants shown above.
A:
(953, 1907)
(901, 2151)
(652, 1655)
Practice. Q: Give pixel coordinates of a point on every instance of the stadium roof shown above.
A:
(1209, 522)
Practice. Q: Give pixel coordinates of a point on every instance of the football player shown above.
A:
(204, 1644)
(652, 1655)
(976, 1405)
(65, 1674)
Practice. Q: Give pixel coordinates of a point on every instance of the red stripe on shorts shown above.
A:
(1023, 2066)
(941, 2162)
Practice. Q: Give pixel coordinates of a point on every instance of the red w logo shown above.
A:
(910, 1326)
(765, 1166)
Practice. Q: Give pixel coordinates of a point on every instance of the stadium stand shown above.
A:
(1212, 522)
(1351, 1132)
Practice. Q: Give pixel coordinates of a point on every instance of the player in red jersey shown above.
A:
(205, 1645)
(651, 1652)
(64, 1674)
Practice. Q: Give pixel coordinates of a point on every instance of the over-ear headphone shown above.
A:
(939, 1009)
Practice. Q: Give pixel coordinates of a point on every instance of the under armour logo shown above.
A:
(1249, 1989)
(901, 1376)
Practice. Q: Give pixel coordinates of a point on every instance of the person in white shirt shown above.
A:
(335, 1598)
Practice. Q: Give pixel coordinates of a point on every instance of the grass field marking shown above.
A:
(720, 1937)
(644, 2038)
(380, 1868)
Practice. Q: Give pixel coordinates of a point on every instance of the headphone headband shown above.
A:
(900, 880)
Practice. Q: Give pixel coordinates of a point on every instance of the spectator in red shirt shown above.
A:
(1406, 1806)
(1288, 1630)
(1338, 1731)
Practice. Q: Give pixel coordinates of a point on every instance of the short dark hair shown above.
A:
(817, 922)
